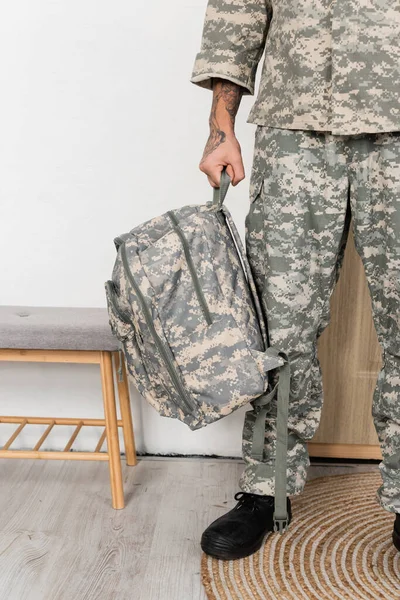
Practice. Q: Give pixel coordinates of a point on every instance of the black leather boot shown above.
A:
(241, 531)
(396, 532)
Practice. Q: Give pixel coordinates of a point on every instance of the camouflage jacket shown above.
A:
(330, 65)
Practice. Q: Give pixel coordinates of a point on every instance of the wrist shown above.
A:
(223, 123)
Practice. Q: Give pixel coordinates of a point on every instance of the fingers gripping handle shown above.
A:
(220, 193)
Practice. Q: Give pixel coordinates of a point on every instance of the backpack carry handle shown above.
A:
(220, 192)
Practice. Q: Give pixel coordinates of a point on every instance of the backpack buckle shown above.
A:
(281, 524)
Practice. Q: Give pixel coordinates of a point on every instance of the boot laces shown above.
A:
(248, 501)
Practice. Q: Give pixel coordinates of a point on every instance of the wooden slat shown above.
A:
(48, 420)
(363, 451)
(73, 437)
(44, 436)
(110, 412)
(101, 441)
(14, 435)
(53, 455)
(50, 356)
(126, 412)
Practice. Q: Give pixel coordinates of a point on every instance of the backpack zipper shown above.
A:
(199, 292)
(161, 347)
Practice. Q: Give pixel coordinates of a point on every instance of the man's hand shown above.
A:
(222, 148)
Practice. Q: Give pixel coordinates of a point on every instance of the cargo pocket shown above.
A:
(217, 366)
(254, 227)
(256, 185)
(119, 321)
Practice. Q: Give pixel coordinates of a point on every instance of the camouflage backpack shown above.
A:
(183, 305)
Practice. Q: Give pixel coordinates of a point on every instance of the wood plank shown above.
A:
(350, 359)
(126, 412)
(101, 441)
(60, 538)
(44, 436)
(14, 435)
(53, 455)
(110, 412)
(361, 451)
(73, 437)
(61, 421)
(50, 356)
(196, 493)
(104, 553)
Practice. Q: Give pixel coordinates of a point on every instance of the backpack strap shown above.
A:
(282, 388)
(280, 514)
(220, 192)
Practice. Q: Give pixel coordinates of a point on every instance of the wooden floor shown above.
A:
(61, 540)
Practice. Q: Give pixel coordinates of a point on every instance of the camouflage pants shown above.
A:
(304, 188)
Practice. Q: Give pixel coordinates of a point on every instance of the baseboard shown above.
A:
(362, 451)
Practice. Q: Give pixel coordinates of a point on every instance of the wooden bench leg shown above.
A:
(110, 413)
(126, 413)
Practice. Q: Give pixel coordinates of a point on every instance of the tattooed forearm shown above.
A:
(230, 94)
(226, 101)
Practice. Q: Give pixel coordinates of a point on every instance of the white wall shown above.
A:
(100, 129)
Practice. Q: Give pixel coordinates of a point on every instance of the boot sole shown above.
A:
(217, 549)
(396, 540)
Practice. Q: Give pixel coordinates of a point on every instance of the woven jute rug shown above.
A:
(338, 545)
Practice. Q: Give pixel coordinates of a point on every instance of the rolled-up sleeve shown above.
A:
(233, 41)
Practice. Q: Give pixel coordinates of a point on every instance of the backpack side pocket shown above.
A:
(119, 320)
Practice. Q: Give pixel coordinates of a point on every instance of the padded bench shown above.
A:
(71, 335)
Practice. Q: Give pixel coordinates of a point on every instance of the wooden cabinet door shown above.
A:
(350, 359)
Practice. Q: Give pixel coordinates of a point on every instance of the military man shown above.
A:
(327, 148)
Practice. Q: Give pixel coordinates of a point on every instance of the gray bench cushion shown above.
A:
(51, 328)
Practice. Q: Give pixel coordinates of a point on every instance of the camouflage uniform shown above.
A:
(327, 148)
(305, 185)
(330, 65)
